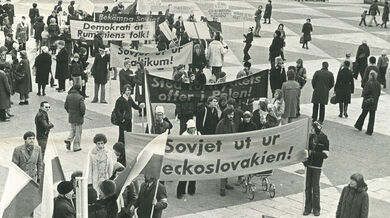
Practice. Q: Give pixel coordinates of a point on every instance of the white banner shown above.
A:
(199, 157)
(113, 31)
(163, 59)
(197, 30)
(145, 6)
(167, 31)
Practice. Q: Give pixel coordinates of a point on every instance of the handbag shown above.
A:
(333, 99)
(368, 102)
(301, 40)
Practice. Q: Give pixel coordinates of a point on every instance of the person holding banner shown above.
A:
(277, 75)
(147, 198)
(107, 199)
(198, 59)
(226, 126)
(100, 74)
(181, 187)
(139, 82)
(257, 20)
(318, 152)
(215, 53)
(126, 76)
(207, 118)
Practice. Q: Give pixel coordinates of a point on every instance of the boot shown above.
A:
(341, 110)
(345, 110)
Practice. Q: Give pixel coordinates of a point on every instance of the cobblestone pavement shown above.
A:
(336, 32)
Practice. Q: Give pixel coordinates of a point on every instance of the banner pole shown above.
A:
(155, 195)
(305, 171)
(143, 119)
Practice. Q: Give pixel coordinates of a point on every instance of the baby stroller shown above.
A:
(267, 186)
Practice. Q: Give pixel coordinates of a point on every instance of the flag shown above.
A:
(87, 6)
(148, 107)
(21, 194)
(131, 9)
(149, 160)
(52, 174)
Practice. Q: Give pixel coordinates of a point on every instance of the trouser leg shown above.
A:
(42, 143)
(103, 93)
(181, 188)
(97, 86)
(72, 133)
(322, 112)
(316, 190)
(191, 187)
(308, 190)
(371, 121)
(77, 138)
(315, 112)
(341, 108)
(359, 123)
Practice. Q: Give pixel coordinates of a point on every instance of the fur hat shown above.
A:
(64, 187)
(160, 109)
(107, 187)
(191, 123)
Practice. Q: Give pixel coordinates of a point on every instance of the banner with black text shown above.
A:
(200, 157)
(162, 59)
(169, 91)
(113, 31)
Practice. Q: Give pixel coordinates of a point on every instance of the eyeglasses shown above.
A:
(47, 107)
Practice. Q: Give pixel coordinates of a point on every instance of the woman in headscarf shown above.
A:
(354, 199)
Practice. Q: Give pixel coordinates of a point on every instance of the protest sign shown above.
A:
(169, 91)
(219, 12)
(164, 28)
(145, 6)
(238, 15)
(113, 31)
(220, 5)
(181, 9)
(161, 59)
(199, 157)
(214, 26)
(124, 18)
(197, 30)
(86, 6)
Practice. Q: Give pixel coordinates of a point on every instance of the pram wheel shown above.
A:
(251, 191)
(272, 191)
(265, 183)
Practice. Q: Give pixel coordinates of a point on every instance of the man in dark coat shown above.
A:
(126, 76)
(38, 27)
(63, 205)
(385, 15)
(371, 93)
(23, 83)
(275, 48)
(146, 198)
(42, 67)
(9, 9)
(28, 157)
(318, 151)
(62, 66)
(277, 75)
(43, 126)
(33, 14)
(97, 43)
(5, 96)
(307, 28)
(369, 68)
(373, 11)
(226, 126)
(362, 55)
(75, 106)
(322, 82)
(268, 12)
(100, 72)
(71, 10)
(207, 118)
(343, 88)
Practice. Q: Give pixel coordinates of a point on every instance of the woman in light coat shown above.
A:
(291, 92)
(101, 162)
